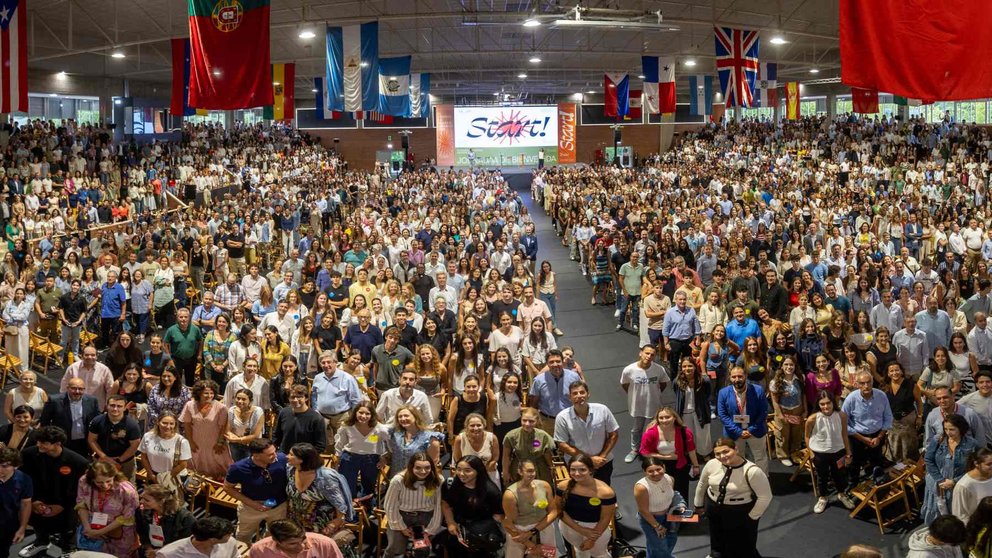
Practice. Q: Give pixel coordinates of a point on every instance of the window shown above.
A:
(212, 117)
(85, 110)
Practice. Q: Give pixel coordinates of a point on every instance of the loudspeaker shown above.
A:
(616, 136)
(405, 142)
(396, 165)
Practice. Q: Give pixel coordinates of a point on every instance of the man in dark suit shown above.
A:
(72, 411)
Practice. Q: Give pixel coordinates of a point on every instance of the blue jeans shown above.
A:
(141, 322)
(549, 299)
(659, 547)
(352, 464)
(633, 301)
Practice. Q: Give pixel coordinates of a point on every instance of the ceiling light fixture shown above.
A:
(532, 22)
(61, 75)
(814, 71)
(778, 40)
(690, 63)
(522, 76)
(314, 90)
(640, 76)
(577, 96)
(535, 60)
(118, 55)
(590, 92)
(216, 73)
(307, 34)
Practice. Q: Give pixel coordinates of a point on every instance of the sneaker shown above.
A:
(33, 550)
(618, 516)
(593, 301)
(846, 500)
(619, 327)
(630, 457)
(616, 314)
(635, 328)
(821, 504)
(585, 273)
(558, 332)
(787, 462)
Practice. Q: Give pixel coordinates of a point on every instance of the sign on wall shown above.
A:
(505, 136)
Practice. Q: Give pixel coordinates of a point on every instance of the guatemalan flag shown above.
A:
(659, 84)
(394, 86)
(700, 95)
(767, 85)
(352, 67)
(616, 94)
(420, 95)
(14, 60)
(737, 64)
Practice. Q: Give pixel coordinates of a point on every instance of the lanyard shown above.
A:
(741, 402)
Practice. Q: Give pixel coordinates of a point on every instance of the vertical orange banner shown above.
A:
(444, 123)
(567, 133)
(792, 100)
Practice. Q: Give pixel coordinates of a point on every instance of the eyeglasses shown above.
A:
(266, 476)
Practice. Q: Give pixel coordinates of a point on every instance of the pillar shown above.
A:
(228, 119)
(666, 132)
(831, 106)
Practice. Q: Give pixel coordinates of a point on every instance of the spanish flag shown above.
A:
(792, 100)
(284, 100)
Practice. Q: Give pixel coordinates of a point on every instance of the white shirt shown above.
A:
(184, 549)
(391, 400)
(644, 388)
(161, 453)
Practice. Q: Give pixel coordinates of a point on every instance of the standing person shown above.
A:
(165, 452)
(630, 274)
(527, 443)
(97, 378)
(735, 493)
(169, 394)
(670, 441)
(827, 437)
(547, 284)
(258, 483)
(289, 539)
(72, 412)
(587, 506)
(113, 309)
(649, 379)
(974, 486)
(360, 441)
(15, 318)
(413, 503)
(16, 493)
(479, 505)
(389, 359)
(680, 330)
(933, 425)
(530, 512)
(587, 429)
(318, 497)
(114, 436)
(211, 538)
(692, 404)
(334, 394)
(906, 404)
(476, 440)
(743, 410)
(946, 459)
(549, 392)
(107, 504)
(72, 313)
(204, 421)
(790, 410)
(162, 519)
(656, 497)
(183, 342)
(298, 423)
(869, 419)
(245, 421)
(980, 401)
(54, 471)
(406, 394)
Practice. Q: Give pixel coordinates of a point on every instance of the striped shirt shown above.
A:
(400, 498)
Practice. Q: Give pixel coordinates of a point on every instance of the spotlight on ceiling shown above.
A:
(814, 71)
(532, 22)
(307, 34)
(535, 60)
(690, 63)
(118, 55)
(522, 76)
(778, 40)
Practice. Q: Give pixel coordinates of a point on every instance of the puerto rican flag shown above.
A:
(14, 50)
(737, 64)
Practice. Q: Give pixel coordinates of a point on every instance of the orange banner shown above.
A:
(444, 122)
(792, 100)
(567, 133)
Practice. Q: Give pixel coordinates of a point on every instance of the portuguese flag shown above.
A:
(283, 93)
(229, 65)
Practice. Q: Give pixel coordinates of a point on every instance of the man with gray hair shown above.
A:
(334, 394)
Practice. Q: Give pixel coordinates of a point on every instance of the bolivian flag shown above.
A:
(284, 100)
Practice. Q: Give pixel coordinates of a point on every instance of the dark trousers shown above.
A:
(165, 316)
(7, 530)
(861, 454)
(733, 534)
(110, 328)
(604, 473)
(57, 529)
(187, 368)
(680, 475)
(680, 349)
(79, 446)
(826, 469)
(354, 466)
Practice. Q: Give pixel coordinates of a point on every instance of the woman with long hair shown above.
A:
(15, 318)
(656, 498)
(281, 386)
(527, 442)
(162, 518)
(476, 440)
(274, 352)
(809, 344)
(216, 350)
(979, 541)
(141, 302)
(467, 360)
(754, 361)
(849, 364)
(826, 436)
(548, 291)
(165, 452)
(714, 357)
(963, 361)
(360, 441)
(409, 436)
(823, 376)
(588, 506)
(106, 506)
(974, 486)
(479, 506)
(506, 406)
(790, 410)
(313, 496)
(431, 375)
(168, 395)
(946, 459)
(413, 503)
(530, 511)
(472, 400)
(204, 421)
(244, 424)
(534, 348)
(508, 336)
(692, 404)
(668, 439)
(906, 403)
(939, 373)
(244, 347)
(881, 353)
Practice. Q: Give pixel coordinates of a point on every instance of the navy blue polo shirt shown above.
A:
(18, 488)
(257, 485)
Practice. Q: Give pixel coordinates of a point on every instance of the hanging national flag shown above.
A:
(229, 66)
(792, 100)
(320, 101)
(922, 50)
(394, 85)
(14, 60)
(283, 106)
(616, 94)
(179, 104)
(737, 64)
(700, 95)
(659, 84)
(352, 69)
(375, 116)
(864, 101)
(767, 85)
(420, 95)
(904, 102)
(635, 107)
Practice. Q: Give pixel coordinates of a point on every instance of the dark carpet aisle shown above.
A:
(788, 529)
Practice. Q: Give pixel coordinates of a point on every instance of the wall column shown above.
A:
(667, 132)
(831, 106)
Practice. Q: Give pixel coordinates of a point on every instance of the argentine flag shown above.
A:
(394, 86)
(352, 63)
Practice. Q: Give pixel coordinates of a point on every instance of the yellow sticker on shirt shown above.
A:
(868, 337)
(542, 503)
(396, 362)
(429, 492)
(361, 380)
(374, 438)
(595, 501)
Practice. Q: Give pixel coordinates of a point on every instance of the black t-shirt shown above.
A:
(471, 507)
(422, 286)
(72, 307)
(498, 307)
(236, 252)
(327, 338)
(115, 439)
(337, 294)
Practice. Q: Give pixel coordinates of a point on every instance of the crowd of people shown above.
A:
(328, 345)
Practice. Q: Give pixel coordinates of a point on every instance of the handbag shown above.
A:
(11, 330)
(483, 536)
(85, 543)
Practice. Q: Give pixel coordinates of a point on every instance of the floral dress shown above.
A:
(120, 502)
(315, 507)
(159, 402)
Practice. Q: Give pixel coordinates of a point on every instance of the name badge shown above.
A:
(99, 520)
(742, 420)
(156, 536)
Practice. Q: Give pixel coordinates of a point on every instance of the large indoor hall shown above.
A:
(495, 279)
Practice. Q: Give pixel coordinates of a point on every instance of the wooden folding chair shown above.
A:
(9, 366)
(40, 348)
(915, 477)
(218, 496)
(804, 463)
(878, 497)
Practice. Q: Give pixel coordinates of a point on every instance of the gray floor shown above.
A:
(788, 529)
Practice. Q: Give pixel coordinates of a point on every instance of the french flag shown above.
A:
(616, 94)
(353, 67)
(659, 84)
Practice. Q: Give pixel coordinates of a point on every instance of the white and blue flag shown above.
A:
(352, 67)
(394, 86)
(420, 95)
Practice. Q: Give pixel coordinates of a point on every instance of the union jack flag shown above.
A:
(737, 64)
